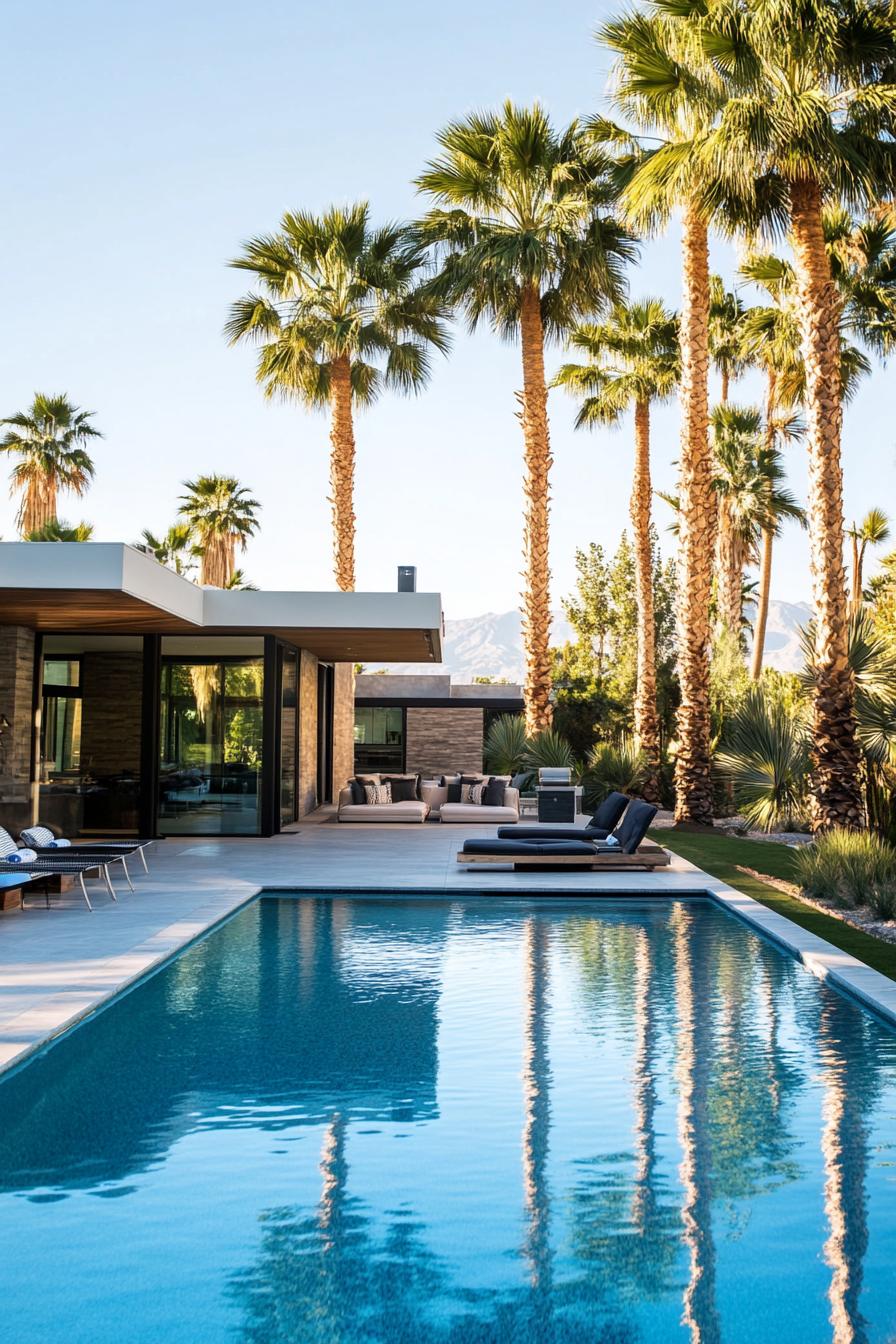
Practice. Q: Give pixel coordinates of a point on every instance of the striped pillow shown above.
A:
(40, 836)
(7, 844)
(472, 793)
(378, 793)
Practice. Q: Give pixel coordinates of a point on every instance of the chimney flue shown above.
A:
(407, 578)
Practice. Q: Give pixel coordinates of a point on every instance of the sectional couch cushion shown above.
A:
(494, 792)
(405, 788)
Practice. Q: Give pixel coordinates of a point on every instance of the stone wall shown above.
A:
(343, 725)
(111, 697)
(18, 794)
(307, 791)
(440, 740)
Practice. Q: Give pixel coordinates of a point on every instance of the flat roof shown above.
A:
(112, 588)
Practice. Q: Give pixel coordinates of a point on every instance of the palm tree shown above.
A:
(726, 315)
(873, 530)
(49, 442)
(174, 548)
(664, 87)
(60, 530)
(521, 221)
(221, 516)
(340, 316)
(810, 119)
(633, 361)
(772, 340)
(752, 500)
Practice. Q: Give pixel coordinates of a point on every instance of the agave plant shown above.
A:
(614, 767)
(505, 744)
(765, 755)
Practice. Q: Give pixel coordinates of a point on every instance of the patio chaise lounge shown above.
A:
(624, 849)
(60, 863)
(603, 823)
(42, 840)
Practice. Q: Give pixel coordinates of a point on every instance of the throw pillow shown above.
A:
(495, 791)
(520, 780)
(403, 790)
(472, 793)
(453, 787)
(357, 789)
(378, 793)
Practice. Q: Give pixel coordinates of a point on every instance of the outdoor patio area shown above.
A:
(59, 962)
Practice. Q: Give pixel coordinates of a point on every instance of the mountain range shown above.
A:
(491, 645)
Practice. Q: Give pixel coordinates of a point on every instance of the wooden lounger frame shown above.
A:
(649, 855)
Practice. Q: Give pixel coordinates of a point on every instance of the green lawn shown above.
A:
(719, 855)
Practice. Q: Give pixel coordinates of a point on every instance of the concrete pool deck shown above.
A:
(59, 964)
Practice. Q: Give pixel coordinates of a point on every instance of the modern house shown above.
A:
(424, 723)
(134, 701)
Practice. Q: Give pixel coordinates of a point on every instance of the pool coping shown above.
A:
(62, 1012)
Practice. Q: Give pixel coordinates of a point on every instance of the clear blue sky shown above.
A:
(143, 142)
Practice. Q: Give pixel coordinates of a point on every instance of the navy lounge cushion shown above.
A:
(518, 832)
(609, 814)
(521, 848)
(634, 826)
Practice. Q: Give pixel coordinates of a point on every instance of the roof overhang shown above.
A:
(110, 588)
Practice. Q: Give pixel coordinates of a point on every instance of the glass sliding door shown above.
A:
(211, 746)
(289, 745)
(89, 762)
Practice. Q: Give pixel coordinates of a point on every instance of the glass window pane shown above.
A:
(62, 672)
(211, 747)
(379, 738)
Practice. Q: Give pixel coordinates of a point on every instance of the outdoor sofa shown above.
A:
(430, 799)
(626, 848)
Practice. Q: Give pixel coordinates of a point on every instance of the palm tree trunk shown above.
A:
(39, 505)
(536, 610)
(647, 726)
(730, 577)
(693, 788)
(726, 384)
(858, 556)
(835, 785)
(213, 571)
(765, 580)
(768, 538)
(342, 473)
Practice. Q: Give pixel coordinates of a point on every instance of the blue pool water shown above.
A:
(476, 1120)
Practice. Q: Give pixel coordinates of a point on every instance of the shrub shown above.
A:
(549, 748)
(765, 755)
(505, 745)
(619, 767)
(850, 868)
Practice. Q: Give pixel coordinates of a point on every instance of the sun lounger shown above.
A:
(45, 867)
(101, 855)
(41, 838)
(602, 824)
(627, 848)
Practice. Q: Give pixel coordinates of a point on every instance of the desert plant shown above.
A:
(59, 530)
(505, 745)
(614, 766)
(549, 748)
(765, 756)
(850, 868)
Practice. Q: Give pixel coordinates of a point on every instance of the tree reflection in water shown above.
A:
(849, 1092)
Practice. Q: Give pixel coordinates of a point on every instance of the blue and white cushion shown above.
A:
(7, 844)
(43, 838)
(22, 856)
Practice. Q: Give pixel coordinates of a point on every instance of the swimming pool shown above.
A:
(371, 1119)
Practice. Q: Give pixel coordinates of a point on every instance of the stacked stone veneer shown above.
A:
(17, 792)
(441, 740)
(111, 695)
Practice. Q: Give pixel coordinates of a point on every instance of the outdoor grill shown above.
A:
(556, 794)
